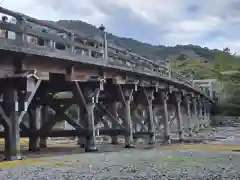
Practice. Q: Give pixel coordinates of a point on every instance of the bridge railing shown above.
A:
(186, 80)
(29, 32)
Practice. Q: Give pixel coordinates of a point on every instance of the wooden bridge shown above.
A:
(130, 95)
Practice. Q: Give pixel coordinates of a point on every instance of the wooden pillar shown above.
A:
(178, 97)
(189, 115)
(81, 112)
(151, 123)
(195, 114)
(82, 118)
(164, 97)
(12, 130)
(34, 125)
(91, 99)
(205, 113)
(114, 111)
(44, 119)
(129, 142)
(200, 112)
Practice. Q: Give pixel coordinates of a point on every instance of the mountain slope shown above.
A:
(159, 52)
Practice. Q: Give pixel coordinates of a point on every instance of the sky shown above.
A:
(209, 23)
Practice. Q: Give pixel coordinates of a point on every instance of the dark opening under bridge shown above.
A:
(129, 94)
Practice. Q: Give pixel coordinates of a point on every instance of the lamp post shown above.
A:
(169, 68)
(102, 29)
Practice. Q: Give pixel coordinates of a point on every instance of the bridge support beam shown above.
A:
(91, 100)
(34, 125)
(44, 116)
(128, 97)
(164, 97)
(205, 111)
(195, 114)
(151, 123)
(82, 120)
(189, 114)
(200, 113)
(11, 126)
(208, 113)
(44, 119)
(178, 97)
(113, 109)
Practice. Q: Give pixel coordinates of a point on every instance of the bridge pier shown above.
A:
(79, 120)
(178, 98)
(11, 126)
(149, 93)
(189, 114)
(164, 98)
(82, 118)
(195, 113)
(201, 114)
(128, 124)
(205, 111)
(44, 116)
(34, 112)
(113, 110)
(91, 100)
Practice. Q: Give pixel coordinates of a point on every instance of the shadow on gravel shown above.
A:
(71, 148)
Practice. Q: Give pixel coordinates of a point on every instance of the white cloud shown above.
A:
(174, 21)
(186, 31)
(61, 9)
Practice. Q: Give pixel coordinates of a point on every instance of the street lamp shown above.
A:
(102, 29)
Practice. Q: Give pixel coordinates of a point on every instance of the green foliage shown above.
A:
(195, 68)
(224, 67)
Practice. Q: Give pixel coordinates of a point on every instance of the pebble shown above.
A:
(133, 166)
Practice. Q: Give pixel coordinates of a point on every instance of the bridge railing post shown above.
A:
(71, 47)
(21, 37)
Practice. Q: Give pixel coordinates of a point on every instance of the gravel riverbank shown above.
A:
(158, 163)
(130, 164)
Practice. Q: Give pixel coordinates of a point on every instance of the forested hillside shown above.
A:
(225, 68)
